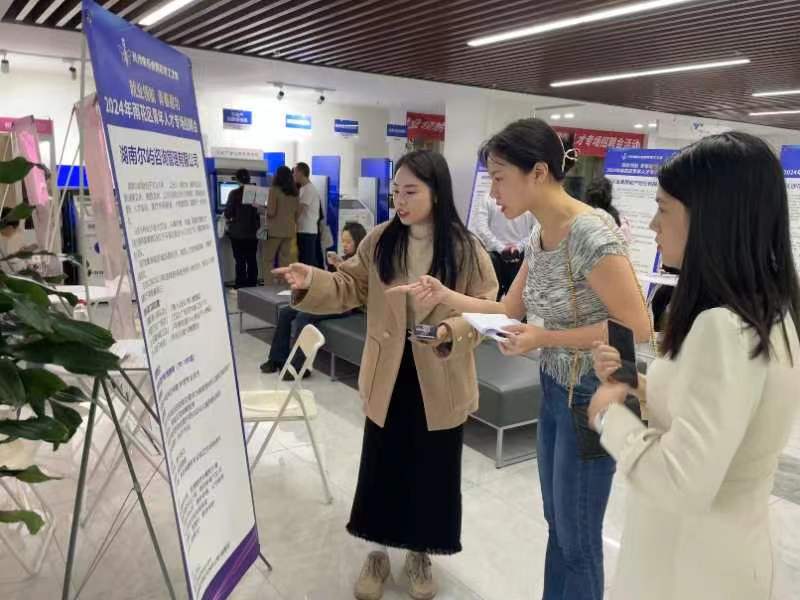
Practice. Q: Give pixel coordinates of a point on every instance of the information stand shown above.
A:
(634, 175)
(149, 110)
(790, 159)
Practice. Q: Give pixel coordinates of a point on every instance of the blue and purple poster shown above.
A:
(790, 159)
(147, 101)
(634, 173)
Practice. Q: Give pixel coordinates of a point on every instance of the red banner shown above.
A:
(425, 127)
(43, 126)
(593, 142)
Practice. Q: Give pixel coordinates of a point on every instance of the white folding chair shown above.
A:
(20, 454)
(282, 405)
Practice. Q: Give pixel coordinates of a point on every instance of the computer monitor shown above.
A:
(224, 188)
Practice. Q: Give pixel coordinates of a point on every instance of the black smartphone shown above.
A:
(426, 333)
(621, 338)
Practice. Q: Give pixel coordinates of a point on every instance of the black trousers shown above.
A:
(245, 254)
(506, 267)
(308, 250)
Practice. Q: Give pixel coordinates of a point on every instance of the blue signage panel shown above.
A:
(233, 116)
(398, 131)
(298, 122)
(381, 169)
(345, 127)
(790, 159)
(637, 163)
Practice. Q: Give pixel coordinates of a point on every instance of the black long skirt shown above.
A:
(409, 482)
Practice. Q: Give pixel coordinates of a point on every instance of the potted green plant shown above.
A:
(36, 330)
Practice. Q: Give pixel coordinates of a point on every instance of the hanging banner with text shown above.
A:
(421, 126)
(634, 174)
(790, 159)
(592, 142)
(149, 110)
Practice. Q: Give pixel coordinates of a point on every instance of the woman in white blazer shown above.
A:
(722, 400)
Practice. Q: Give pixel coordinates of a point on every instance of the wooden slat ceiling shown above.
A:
(426, 39)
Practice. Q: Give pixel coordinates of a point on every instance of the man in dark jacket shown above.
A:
(243, 223)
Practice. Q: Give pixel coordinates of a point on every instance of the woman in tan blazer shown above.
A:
(283, 207)
(417, 394)
(722, 401)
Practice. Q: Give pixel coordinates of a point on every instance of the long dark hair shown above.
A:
(356, 231)
(284, 181)
(599, 194)
(738, 253)
(453, 245)
(526, 142)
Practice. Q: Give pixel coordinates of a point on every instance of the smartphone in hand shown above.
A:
(621, 338)
(426, 333)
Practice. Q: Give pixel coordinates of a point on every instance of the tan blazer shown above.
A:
(282, 211)
(449, 383)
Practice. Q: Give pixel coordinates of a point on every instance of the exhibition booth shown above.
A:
(127, 218)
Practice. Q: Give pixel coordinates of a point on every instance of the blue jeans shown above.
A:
(290, 323)
(574, 494)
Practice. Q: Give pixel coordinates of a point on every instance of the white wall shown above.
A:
(269, 133)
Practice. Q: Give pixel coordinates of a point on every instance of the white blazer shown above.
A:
(700, 477)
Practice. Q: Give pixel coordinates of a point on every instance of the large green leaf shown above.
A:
(6, 303)
(69, 417)
(41, 384)
(31, 474)
(32, 313)
(35, 291)
(31, 519)
(73, 356)
(46, 429)
(14, 170)
(70, 395)
(19, 213)
(12, 392)
(83, 332)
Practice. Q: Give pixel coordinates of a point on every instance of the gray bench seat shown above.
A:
(263, 303)
(510, 392)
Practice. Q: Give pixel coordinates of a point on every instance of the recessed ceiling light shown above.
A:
(770, 113)
(638, 126)
(555, 117)
(652, 125)
(652, 72)
(569, 116)
(778, 93)
(592, 17)
(162, 13)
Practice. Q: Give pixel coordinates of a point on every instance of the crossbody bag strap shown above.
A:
(574, 300)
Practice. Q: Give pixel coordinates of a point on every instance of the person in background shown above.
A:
(417, 393)
(505, 239)
(283, 207)
(723, 399)
(576, 275)
(291, 321)
(311, 212)
(600, 194)
(243, 222)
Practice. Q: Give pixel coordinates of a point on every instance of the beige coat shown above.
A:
(449, 384)
(700, 478)
(282, 211)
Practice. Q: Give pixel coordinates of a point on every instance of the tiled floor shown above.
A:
(504, 534)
